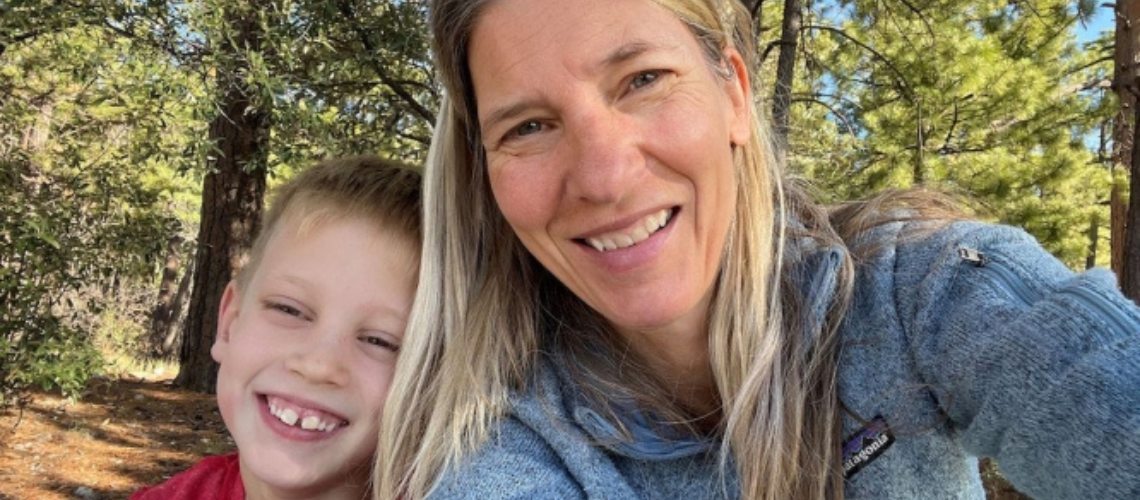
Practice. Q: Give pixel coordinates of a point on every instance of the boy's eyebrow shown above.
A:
(621, 54)
(289, 278)
(377, 305)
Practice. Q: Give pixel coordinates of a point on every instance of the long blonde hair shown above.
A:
(483, 305)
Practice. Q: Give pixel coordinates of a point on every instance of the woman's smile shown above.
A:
(639, 232)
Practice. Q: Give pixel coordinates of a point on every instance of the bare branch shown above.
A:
(370, 49)
(953, 125)
(768, 50)
(813, 99)
(1083, 67)
(901, 81)
(921, 17)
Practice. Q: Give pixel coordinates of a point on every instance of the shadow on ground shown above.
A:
(121, 435)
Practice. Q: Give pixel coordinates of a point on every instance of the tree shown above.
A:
(785, 74)
(84, 202)
(163, 314)
(980, 98)
(233, 190)
(304, 81)
(1126, 82)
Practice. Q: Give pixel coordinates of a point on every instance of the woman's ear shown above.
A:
(227, 312)
(739, 91)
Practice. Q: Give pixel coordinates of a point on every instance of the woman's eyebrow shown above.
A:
(506, 113)
(623, 53)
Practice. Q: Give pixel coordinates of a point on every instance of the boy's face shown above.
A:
(307, 352)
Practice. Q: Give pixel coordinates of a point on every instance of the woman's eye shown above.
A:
(644, 79)
(381, 343)
(526, 128)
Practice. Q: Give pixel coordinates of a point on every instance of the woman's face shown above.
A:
(609, 151)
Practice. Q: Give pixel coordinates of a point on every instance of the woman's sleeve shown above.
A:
(515, 463)
(1034, 365)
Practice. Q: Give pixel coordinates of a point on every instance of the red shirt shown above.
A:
(214, 478)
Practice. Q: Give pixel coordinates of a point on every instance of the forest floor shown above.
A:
(136, 429)
(123, 433)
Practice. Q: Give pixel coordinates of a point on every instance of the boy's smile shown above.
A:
(307, 352)
(309, 419)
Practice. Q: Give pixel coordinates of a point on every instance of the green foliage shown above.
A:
(990, 99)
(56, 358)
(88, 164)
(105, 108)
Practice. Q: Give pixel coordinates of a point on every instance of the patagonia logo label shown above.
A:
(866, 445)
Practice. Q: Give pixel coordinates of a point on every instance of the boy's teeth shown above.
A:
(639, 233)
(290, 417)
(310, 423)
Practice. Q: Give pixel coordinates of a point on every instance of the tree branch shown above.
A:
(921, 17)
(1089, 65)
(953, 125)
(900, 80)
(370, 48)
(843, 119)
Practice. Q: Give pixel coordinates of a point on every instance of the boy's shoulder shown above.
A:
(213, 478)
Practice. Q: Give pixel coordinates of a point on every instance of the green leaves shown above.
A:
(105, 108)
(987, 98)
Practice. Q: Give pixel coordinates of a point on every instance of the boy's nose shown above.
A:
(320, 362)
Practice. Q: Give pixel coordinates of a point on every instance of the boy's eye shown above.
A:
(285, 309)
(381, 342)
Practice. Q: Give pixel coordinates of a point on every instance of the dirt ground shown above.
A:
(130, 432)
(123, 434)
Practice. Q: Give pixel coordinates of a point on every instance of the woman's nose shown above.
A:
(606, 162)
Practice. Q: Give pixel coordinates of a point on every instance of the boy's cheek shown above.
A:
(218, 351)
(227, 399)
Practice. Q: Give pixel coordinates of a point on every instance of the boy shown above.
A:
(308, 335)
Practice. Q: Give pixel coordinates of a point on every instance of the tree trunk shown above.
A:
(1118, 211)
(1127, 86)
(785, 75)
(1130, 280)
(756, 11)
(176, 327)
(161, 315)
(232, 196)
(1094, 234)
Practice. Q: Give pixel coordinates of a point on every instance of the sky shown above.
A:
(1101, 21)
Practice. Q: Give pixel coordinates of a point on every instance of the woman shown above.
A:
(623, 296)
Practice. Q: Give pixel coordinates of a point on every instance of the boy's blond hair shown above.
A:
(375, 189)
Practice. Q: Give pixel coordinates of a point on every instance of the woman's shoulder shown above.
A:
(547, 446)
(516, 462)
(525, 455)
(919, 253)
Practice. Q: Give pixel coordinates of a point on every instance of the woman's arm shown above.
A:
(1035, 365)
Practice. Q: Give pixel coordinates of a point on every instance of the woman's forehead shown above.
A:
(523, 43)
(512, 32)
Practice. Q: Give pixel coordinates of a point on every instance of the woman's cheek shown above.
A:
(523, 191)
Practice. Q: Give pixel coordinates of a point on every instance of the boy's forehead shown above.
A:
(301, 221)
(324, 241)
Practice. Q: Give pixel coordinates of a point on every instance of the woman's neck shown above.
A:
(678, 356)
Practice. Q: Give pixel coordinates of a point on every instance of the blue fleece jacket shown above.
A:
(970, 342)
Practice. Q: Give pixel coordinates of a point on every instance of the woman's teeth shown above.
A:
(640, 232)
(310, 423)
